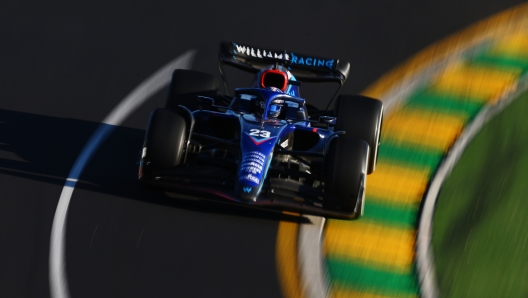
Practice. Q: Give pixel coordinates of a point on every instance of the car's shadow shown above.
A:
(44, 148)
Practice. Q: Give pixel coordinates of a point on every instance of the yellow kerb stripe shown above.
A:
(514, 46)
(481, 84)
(427, 130)
(287, 268)
(392, 183)
(370, 244)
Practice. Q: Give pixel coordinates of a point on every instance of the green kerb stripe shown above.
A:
(391, 215)
(502, 62)
(347, 274)
(430, 100)
(409, 155)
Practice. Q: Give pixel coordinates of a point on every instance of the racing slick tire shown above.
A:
(360, 117)
(345, 169)
(164, 140)
(186, 85)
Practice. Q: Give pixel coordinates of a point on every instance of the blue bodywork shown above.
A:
(259, 137)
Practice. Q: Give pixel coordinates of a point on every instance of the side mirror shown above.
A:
(328, 120)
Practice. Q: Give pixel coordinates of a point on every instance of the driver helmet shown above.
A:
(274, 111)
(275, 106)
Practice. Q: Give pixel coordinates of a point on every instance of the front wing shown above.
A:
(276, 195)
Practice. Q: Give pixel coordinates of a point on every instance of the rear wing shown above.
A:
(303, 67)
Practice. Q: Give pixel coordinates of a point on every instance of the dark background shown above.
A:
(65, 64)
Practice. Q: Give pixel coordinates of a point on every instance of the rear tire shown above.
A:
(165, 140)
(360, 117)
(345, 170)
(186, 85)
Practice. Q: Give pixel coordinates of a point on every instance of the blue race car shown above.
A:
(264, 146)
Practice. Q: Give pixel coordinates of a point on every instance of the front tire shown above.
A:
(360, 117)
(345, 170)
(186, 85)
(165, 140)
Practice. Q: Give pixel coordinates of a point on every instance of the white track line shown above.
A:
(311, 259)
(57, 262)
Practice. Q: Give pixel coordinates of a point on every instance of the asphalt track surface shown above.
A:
(65, 66)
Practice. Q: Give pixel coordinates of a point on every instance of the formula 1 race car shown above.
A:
(264, 146)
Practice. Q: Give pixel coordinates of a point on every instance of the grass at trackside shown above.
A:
(480, 231)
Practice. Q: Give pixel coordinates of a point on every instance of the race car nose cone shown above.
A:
(247, 193)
